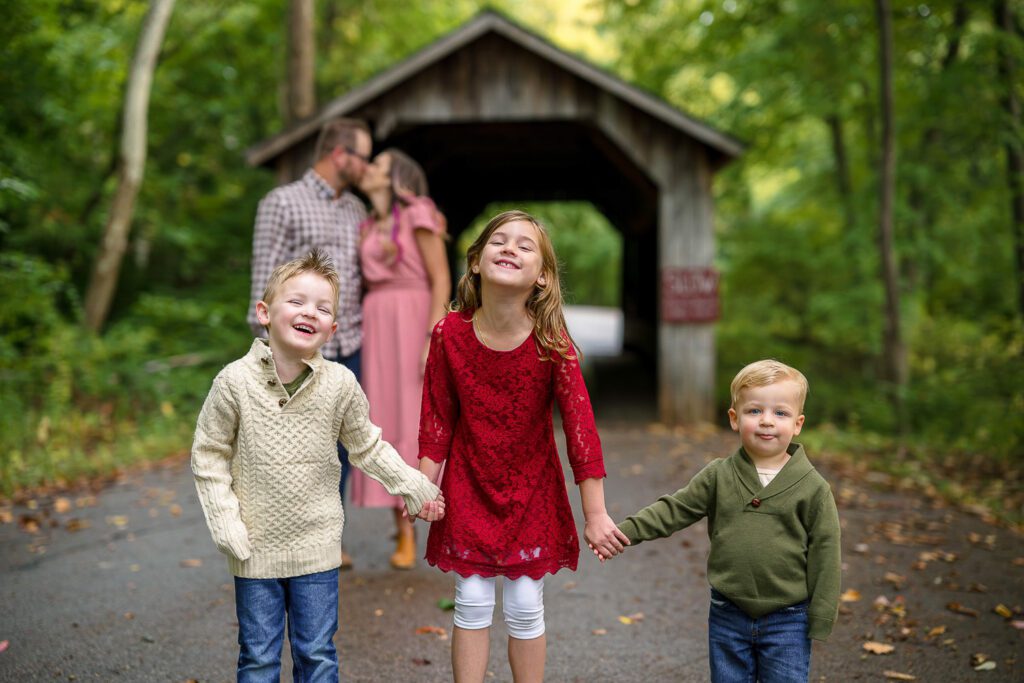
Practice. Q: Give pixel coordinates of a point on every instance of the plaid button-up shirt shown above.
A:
(292, 220)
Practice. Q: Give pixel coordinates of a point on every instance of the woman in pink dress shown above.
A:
(405, 270)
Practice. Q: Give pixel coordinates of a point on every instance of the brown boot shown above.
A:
(346, 561)
(405, 550)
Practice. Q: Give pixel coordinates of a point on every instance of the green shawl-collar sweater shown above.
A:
(771, 546)
(266, 464)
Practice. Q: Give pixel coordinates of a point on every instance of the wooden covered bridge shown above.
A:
(495, 113)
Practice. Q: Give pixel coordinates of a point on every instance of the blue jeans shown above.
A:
(774, 648)
(311, 605)
(354, 363)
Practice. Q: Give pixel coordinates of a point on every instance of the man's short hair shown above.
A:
(764, 372)
(339, 133)
(317, 261)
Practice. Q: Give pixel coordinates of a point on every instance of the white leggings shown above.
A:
(522, 604)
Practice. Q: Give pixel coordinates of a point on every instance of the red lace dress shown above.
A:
(487, 415)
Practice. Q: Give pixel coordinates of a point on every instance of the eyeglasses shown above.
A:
(362, 157)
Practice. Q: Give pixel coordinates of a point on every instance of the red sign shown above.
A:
(689, 295)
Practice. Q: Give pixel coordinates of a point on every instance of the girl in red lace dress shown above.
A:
(497, 364)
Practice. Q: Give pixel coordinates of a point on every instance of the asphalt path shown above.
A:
(124, 584)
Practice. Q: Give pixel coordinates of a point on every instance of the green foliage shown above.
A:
(797, 215)
(796, 221)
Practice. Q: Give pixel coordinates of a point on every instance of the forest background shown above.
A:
(798, 217)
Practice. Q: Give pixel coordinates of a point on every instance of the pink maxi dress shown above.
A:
(396, 325)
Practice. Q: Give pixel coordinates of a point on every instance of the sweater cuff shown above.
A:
(235, 541)
(421, 492)
(818, 628)
(628, 527)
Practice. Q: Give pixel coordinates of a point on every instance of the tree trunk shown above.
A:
(301, 82)
(1014, 154)
(131, 165)
(843, 183)
(895, 353)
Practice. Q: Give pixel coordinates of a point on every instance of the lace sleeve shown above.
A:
(581, 438)
(439, 411)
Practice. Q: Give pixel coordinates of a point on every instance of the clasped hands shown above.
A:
(603, 536)
(432, 510)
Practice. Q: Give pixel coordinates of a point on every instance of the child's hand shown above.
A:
(432, 510)
(603, 537)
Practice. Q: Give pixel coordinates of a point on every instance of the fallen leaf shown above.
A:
(876, 648)
(378, 612)
(61, 505)
(436, 630)
(76, 524)
(937, 631)
(446, 604)
(850, 595)
(625, 620)
(569, 585)
(1018, 562)
(6, 517)
(4, 644)
(419, 661)
(129, 615)
(1019, 625)
(960, 609)
(191, 563)
(978, 658)
(120, 521)
(894, 578)
(1003, 611)
(987, 666)
(175, 510)
(148, 639)
(861, 548)
(897, 676)
(600, 632)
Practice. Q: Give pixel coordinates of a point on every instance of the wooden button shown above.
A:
(284, 400)
(756, 502)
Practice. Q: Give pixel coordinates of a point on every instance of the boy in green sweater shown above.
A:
(774, 565)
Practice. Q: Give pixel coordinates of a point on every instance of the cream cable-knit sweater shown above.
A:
(266, 464)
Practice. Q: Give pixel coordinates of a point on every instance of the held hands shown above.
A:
(432, 510)
(603, 537)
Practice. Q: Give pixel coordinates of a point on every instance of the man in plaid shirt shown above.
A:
(318, 210)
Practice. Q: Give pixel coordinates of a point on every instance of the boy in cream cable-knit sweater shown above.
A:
(266, 470)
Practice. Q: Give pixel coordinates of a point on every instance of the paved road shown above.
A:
(138, 593)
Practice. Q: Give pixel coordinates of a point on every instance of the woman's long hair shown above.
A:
(545, 303)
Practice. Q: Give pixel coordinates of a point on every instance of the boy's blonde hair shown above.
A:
(316, 261)
(545, 303)
(764, 372)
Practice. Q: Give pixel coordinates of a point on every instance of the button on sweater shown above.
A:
(266, 464)
(771, 546)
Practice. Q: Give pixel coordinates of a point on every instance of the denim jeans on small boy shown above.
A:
(774, 648)
(311, 605)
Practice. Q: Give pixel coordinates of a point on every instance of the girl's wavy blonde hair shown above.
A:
(551, 334)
